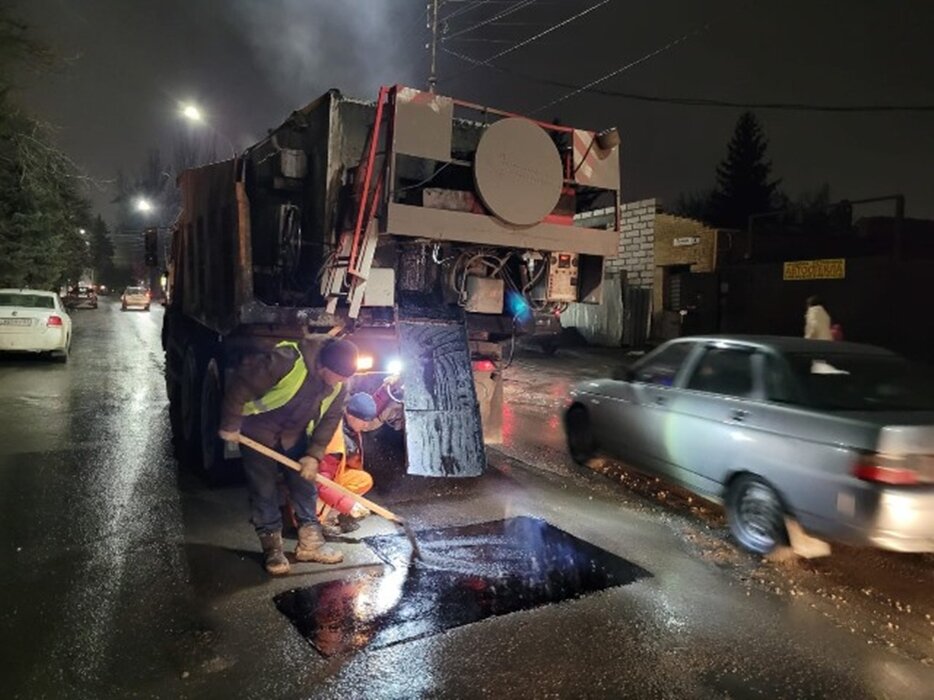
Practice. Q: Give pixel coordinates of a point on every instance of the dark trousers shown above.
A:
(262, 474)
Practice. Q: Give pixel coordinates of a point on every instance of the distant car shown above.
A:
(81, 296)
(838, 435)
(34, 321)
(542, 329)
(135, 297)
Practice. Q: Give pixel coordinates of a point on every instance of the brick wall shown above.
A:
(636, 253)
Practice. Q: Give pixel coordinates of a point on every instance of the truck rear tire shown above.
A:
(216, 469)
(189, 446)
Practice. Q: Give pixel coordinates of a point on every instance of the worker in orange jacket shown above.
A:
(343, 464)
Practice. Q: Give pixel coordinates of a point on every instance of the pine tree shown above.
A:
(41, 209)
(101, 251)
(743, 185)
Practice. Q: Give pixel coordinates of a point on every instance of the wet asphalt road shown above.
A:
(122, 576)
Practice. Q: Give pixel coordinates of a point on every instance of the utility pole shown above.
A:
(433, 25)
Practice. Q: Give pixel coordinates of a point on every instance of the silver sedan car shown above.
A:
(838, 436)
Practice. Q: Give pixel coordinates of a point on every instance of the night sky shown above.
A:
(249, 62)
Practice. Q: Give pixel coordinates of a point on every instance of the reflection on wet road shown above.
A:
(86, 499)
(466, 574)
(123, 576)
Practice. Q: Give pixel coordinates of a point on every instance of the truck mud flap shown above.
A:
(444, 436)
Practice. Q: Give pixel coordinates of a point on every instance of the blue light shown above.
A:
(518, 306)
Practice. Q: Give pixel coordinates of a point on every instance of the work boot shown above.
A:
(330, 526)
(275, 561)
(347, 523)
(311, 546)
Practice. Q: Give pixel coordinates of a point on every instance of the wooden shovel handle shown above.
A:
(322, 480)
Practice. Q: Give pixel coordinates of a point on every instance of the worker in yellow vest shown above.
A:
(343, 463)
(290, 399)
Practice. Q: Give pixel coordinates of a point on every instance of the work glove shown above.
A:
(229, 435)
(358, 512)
(309, 468)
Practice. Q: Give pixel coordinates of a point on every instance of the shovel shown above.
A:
(324, 481)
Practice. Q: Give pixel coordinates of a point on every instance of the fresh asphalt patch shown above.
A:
(466, 574)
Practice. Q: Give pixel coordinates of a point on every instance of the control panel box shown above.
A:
(562, 277)
(484, 295)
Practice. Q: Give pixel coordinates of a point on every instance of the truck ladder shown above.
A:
(350, 268)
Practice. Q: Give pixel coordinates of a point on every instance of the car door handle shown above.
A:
(739, 415)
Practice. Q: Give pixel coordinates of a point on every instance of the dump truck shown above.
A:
(419, 226)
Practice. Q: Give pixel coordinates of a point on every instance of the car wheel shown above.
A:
(60, 356)
(146, 308)
(756, 515)
(549, 348)
(123, 307)
(579, 433)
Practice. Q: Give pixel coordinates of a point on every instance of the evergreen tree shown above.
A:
(101, 251)
(743, 185)
(41, 208)
(694, 205)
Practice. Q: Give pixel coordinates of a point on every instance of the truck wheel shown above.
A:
(216, 469)
(189, 447)
(174, 393)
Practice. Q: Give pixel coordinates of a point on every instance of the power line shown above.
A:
(731, 104)
(469, 6)
(550, 29)
(521, 5)
(632, 64)
(488, 62)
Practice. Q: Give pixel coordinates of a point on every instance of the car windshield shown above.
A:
(851, 382)
(135, 290)
(30, 301)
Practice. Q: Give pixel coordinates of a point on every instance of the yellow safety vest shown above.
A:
(325, 405)
(338, 445)
(286, 389)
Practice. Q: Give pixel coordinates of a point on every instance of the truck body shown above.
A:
(419, 226)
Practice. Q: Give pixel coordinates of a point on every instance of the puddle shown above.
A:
(468, 574)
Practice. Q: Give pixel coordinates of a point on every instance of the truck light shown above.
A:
(364, 363)
(484, 366)
(394, 367)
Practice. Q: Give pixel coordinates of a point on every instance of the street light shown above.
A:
(143, 205)
(192, 113)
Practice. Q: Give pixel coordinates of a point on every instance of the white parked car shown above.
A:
(135, 297)
(32, 320)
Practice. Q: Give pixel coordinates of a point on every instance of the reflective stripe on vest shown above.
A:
(284, 390)
(325, 405)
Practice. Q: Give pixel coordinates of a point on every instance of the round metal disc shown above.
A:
(518, 171)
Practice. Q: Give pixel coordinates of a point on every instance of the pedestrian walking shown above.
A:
(290, 399)
(817, 320)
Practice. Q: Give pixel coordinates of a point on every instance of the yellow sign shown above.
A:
(834, 269)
